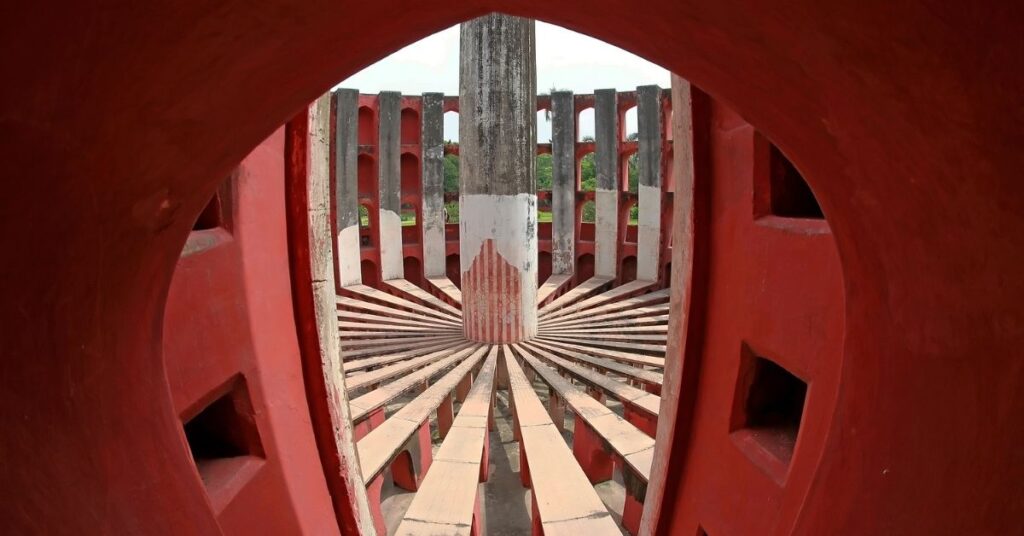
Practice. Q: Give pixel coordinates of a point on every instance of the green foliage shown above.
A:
(364, 216)
(589, 212)
(588, 173)
(453, 212)
(451, 173)
(544, 172)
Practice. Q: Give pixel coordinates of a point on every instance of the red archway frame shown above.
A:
(903, 118)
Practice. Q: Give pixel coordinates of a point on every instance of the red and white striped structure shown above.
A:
(498, 201)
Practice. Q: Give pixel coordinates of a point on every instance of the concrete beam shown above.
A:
(432, 138)
(649, 130)
(606, 198)
(389, 183)
(346, 153)
(498, 200)
(563, 183)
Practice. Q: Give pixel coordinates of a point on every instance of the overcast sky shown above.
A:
(565, 60)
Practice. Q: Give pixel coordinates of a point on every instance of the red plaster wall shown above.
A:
(773, 285)
(902, 117)
(222, 321)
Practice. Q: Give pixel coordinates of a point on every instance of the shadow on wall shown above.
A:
(371, 275)
(584, 268)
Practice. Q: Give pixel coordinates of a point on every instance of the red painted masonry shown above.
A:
(902, 117)
(490, 277)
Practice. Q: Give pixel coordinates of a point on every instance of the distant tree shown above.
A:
(633, 170)
(589, 212)
(544, 172)
(451, 173)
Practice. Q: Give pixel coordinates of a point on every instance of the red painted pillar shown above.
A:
(536, 528)
(462, 389)
(588, 447)
(636, 490)
(373, 491)
(646, 422)
(476, 529)
(365, 426)
(524, 467)
(410, 466)
(556, 409)
(485, 460)
(445, 416)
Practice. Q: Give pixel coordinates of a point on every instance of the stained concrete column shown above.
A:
(432, 139)
(606, 198)
(498, 200)
(649, 129)
(563, 183)
(346, 154)
(389, 184)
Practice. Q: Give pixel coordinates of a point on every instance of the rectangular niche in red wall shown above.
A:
(224, 441)
(790, 196)
(210, 217)
(766, 414)
(217, 212)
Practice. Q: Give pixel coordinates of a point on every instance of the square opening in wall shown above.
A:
(767, 410)
(209, 218)
(224, 440)
(790, 195)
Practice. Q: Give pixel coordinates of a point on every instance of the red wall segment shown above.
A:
(221, 308)
(903, 137)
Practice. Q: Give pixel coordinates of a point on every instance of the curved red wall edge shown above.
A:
(900, 116)
(229, 325)
(300, 259)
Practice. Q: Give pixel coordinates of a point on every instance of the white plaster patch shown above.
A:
(433, 241)
(391, 266)
(349, 269)
(606, 232)
(511, 222)
(648, 249)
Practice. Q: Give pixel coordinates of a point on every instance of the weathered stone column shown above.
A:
(346, 151)
(497, 176)
(389, 183)
(649, 135)
(563, 183)
(606, 198)
(432, 139)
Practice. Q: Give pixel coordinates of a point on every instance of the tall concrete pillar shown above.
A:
(432, 138)
(606, 196)
(497, 176)
(649, 130)
(563, 183)
(346, 151)
(389, 182)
